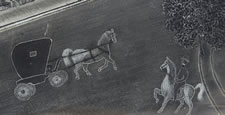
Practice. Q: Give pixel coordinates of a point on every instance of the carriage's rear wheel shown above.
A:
(58, 78)
(24, 91)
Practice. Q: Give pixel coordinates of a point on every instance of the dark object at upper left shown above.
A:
(30, 60)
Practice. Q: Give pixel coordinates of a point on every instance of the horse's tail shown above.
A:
(201, 91)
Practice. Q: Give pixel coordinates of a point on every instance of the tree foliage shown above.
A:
(196, 20)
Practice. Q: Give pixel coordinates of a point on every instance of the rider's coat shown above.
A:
(182, 75)
(181, 78)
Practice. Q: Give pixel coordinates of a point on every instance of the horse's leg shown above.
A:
(180, 105)
(188, 101)
(113, 63)
(77, 68)
(85, 68)
(103, 66)
(189, 92)
(157, 91)
(111, 60)
(165, 101)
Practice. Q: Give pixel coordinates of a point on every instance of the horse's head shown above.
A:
(108, 37)
(165, 64)
(66, 52)
(170, 67)
(112, 35)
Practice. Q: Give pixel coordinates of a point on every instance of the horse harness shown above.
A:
(70, 58)
(92, 57)
(101, 49)
(91, 54)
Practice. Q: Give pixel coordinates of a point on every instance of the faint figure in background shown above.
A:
(4, 5)
(13, 3)
(22, 2)
(181, 77)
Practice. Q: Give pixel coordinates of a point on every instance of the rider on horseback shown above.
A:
(181, 77)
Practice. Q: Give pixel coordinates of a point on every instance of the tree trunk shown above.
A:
(215, 76)
(205, 72)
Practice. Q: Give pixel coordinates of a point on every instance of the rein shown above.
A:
(92, 57)
(103, 50)
(99, 47)
(73, 64)
(170, 76)
(70, 57)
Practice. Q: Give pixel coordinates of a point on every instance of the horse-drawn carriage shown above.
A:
(31, 62)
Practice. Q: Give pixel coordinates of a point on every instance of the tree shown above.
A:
(2, 2)
(198, 24)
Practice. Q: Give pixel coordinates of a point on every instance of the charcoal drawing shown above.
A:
(112, 57)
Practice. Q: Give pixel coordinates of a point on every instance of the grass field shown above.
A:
(143, 44)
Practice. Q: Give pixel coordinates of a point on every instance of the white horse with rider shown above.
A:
(185, 94)
(82, 58)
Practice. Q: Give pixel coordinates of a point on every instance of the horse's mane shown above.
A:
(172, 66)
(104, 38)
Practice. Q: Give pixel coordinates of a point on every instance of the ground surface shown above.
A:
(143, 44)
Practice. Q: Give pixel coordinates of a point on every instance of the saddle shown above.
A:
(180, 92)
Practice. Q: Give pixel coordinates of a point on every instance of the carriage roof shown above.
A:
(30, 58)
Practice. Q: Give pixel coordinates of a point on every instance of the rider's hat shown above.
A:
(185, 59)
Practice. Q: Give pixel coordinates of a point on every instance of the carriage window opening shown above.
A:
(33, 53)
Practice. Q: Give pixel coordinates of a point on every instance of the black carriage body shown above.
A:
(30, 59)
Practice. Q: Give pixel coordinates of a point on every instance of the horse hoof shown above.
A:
(159, 111)
(99, 70)
(157, 101)
(78, 78)
(89, 74)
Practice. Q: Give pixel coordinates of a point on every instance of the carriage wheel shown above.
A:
(24, 91)
(58, 78)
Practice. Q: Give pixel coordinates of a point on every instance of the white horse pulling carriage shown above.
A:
(82, 58)
(31, 62)
(167, 89)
